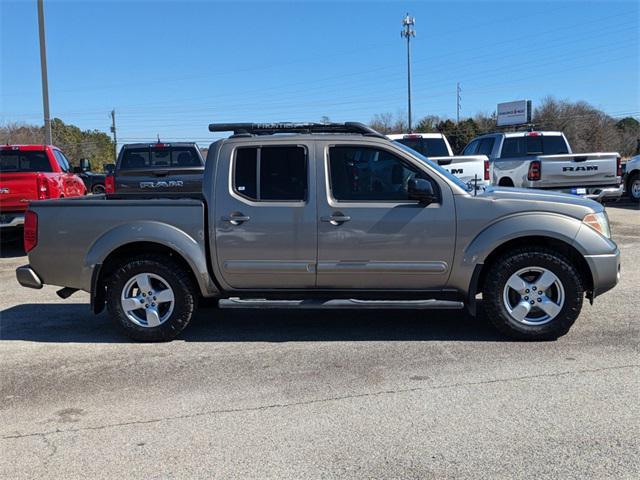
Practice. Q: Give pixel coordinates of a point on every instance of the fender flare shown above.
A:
(154, 232)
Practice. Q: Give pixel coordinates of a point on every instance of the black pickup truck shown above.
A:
(157, 169)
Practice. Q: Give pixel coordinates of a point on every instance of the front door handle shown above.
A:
(336, 219)
(236, 218)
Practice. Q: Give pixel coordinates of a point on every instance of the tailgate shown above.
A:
(152, 182)
(581, 169)
(16, 190)
(467, 168)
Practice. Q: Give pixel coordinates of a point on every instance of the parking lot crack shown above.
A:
(313, 402)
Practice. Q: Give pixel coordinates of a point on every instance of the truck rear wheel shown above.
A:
(152, 298)
(533, 294)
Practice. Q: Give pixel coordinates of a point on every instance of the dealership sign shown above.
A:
(514, 113)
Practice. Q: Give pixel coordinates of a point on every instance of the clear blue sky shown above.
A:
(171, 67)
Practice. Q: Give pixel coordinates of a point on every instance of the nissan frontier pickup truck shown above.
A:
(544, 160)
(325, 216)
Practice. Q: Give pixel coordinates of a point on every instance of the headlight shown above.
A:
(599, 222)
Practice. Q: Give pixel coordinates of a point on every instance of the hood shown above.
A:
(550, 200)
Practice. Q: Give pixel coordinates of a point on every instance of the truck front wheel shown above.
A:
(532, 294)
(152, 298)
(633, 187)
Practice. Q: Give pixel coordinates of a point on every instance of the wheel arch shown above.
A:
(113, 248)
(544, 242)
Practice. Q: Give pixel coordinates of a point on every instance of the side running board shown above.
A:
(336, 304)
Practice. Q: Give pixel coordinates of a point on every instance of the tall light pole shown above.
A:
(43, 67)
(408, 32)
(115, 138)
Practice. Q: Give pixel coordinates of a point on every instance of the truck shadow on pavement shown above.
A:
(59, 323)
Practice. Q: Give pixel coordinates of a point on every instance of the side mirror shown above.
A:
(110, 168)
(421, 190)
(85, 165)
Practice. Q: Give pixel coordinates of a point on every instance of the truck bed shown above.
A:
(68, 230)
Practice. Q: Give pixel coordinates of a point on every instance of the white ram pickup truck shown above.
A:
(545, 160)
(471, 169)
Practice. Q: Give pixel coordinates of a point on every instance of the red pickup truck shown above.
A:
(32, 172)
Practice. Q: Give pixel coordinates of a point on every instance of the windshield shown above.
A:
(435, 166)
(432, 147)
(23, 161)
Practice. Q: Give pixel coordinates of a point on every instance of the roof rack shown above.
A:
(290, 127)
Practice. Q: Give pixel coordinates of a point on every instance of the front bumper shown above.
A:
(605, 270)
(28, 278)
(11, 220)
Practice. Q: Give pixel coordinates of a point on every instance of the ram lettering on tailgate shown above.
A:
(162, 184)
(587, 168)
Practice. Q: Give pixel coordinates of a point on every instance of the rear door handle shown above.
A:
(336, 219)
(236, 218)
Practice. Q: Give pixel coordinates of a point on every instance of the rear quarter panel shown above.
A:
(74, 235)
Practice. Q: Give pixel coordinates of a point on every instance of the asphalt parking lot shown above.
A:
(283, 394)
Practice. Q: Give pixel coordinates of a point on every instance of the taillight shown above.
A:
(486, 169)
(110, 184)
(619, 167)
(535, 172)
(30, 230)
(42, 184)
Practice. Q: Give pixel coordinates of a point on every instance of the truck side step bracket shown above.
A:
(236, 302)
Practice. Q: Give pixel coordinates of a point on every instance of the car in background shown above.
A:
(158, 169)
(93, 181)
(543, 159)
(32, 172)
(471, 169)
(631, 179)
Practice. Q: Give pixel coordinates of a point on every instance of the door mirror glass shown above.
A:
(421, 190)
(109, 168)
(85, 165)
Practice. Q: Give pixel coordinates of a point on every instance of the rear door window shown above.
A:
(23, 161)
(273, 173)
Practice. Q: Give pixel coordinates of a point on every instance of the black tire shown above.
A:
(634, 177)
(505, 266)
(176, 277)
(98, 189)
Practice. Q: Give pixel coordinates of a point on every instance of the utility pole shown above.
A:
(45, 81)
(458, 98)
(408, 32)
(115, 138)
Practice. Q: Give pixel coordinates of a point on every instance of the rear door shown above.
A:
(18, 177)
(370, 235)
(265, 216)
(159, 169)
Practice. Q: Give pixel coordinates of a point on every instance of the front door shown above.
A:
(370, 234)
(265, 221)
